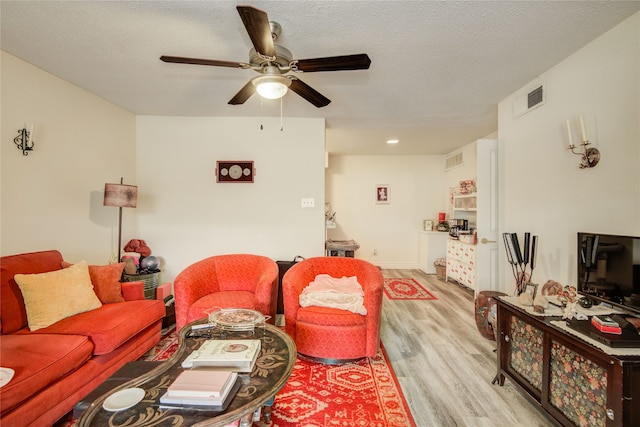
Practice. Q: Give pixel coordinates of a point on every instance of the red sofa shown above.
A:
(56, 366)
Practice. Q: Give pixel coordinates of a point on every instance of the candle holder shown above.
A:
(590, 156)
(24, 141)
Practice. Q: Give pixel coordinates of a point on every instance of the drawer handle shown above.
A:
(484, 241)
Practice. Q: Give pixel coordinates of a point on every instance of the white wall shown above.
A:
(52, 198)
(184, 215)
(418, 191)
(545, 192)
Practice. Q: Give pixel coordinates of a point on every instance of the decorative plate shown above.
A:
(237, 318)
(123, 399)
(5, 376)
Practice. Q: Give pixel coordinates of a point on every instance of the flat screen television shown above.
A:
(609, 269)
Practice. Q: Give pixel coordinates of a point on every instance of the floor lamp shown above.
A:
(120, 196)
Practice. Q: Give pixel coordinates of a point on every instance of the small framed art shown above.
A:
(234, 171)
(531, 289)
(382, 194)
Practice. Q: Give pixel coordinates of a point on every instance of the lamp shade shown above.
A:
(120, 195)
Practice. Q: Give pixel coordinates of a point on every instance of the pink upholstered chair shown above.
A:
(226, 281)
(333, 334)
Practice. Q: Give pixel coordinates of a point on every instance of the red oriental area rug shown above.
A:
(407, 289)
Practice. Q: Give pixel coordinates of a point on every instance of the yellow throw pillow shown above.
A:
(56, 295)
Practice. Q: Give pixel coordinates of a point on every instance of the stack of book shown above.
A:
(606, 324)
(201, 387)
(209, 378)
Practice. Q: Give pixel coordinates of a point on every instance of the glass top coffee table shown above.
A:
(272, 369)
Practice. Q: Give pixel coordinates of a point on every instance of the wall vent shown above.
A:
(532, 100)
(453, 160)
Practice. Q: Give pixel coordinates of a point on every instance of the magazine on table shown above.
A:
(234, 355)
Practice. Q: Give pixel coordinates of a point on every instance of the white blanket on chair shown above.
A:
(326, 291)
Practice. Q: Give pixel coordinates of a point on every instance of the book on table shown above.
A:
(607, 326)
(605, 320)
(200, 383)
(190, 393)
(233, 355)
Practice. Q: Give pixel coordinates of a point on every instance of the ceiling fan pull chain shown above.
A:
(281, 126)
(261, 127)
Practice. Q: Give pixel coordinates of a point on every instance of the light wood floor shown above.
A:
(444, 366)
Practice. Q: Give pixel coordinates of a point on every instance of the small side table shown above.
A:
(343, 248)
(170, 317)
(150, 280)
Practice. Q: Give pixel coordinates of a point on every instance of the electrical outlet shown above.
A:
(307, 203)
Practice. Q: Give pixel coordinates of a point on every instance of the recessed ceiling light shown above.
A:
(392, 141)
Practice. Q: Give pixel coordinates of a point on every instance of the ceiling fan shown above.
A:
(273, 62)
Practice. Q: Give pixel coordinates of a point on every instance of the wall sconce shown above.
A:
(24, 140)
(120, 196)
(590, 155)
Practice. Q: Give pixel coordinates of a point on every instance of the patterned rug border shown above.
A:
(394, 376)
(420, 292)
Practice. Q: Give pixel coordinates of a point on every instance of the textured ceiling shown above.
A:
(438, 68)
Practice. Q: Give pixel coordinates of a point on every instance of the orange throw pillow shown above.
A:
(106, 281)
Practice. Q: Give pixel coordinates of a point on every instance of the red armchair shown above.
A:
(226, 281)
(333, 334)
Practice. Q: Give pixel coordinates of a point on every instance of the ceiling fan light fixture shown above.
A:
(272, 87)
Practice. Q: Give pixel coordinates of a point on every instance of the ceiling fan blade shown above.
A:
(256, 23)
(359, 61)
(244, 94)
(198, 61)
(308, 93)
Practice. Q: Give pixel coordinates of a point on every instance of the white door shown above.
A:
(487, 248)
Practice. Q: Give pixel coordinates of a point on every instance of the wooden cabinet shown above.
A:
(461, 262)
(433, 245)
(574, 382)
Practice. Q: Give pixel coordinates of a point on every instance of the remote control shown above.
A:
(203, 326)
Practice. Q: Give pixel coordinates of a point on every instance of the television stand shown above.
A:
(572, 381)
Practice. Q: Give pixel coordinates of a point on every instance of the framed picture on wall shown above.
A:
(382, 194)
(234, 171)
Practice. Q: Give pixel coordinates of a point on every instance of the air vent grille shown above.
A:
(535, 97)
(532, 100)
(453, 160)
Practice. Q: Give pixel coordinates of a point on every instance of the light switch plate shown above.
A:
(307, 203)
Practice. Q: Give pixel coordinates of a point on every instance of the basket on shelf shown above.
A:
(150, 282)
